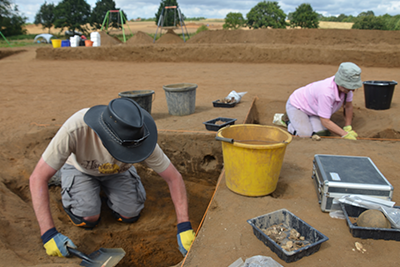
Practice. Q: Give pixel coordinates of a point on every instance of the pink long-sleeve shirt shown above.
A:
(321, 98)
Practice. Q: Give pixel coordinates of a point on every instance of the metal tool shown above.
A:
(103, 257)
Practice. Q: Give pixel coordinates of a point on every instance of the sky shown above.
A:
(218, 9)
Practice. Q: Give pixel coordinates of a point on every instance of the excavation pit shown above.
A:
(151, 241)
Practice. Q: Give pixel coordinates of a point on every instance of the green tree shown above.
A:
(368, 21)
(368, 13)
(266, 14)
(350, 18)
(342, 17)
(392, 23)
(5, 8)
(45, 16)
(202, 28)
(331, 18)
(99, 12)
(11, 23)
(234, 21)
(72, 14)
(290, 16)
(397, 25)
(171, 16)
(304, 17)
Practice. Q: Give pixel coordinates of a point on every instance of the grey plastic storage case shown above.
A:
(336, 176)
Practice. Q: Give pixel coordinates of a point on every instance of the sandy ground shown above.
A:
(134, 27)
(191, 26)
(38, 95)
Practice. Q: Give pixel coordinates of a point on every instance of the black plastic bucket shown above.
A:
(378, 94)
(144, 98)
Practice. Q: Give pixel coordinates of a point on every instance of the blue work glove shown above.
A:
(56, 243)
(349, 129)
(185, 237)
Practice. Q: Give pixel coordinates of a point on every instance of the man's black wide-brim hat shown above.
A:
(127, 131)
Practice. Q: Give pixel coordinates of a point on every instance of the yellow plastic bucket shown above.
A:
(253, 156)
(56, 43)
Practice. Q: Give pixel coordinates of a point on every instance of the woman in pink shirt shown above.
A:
(310, 108)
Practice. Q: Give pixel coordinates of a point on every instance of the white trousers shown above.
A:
(302, 124)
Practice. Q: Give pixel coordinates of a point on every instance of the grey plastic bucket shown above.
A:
(181, 98)
(143, 97)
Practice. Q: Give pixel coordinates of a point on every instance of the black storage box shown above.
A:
(219, 104)
(336, 176)
(351, 211)
(289, 221)
(212, 126)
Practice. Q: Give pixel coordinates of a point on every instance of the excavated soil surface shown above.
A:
(140, 38)
(42, 87)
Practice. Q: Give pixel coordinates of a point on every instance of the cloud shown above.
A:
(219, 9)
(347, 7)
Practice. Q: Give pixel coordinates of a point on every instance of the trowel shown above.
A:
(103, 257)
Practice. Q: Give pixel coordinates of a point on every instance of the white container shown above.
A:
(96, 43)
(94, 35)
(95, 38)
(74, 41)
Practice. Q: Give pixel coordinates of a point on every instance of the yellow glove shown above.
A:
(349, 136)
(349, 129)
(185, 237)
(56, 243)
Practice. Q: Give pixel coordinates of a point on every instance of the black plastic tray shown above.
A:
(218, 104)
(211, 126)
(290, 221)
(367, 232)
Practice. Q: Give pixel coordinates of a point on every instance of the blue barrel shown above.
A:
(65, 43)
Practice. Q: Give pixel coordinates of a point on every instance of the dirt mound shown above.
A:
(298, 37)
(170, 38)
(378, 56)
(107, 40)
(302, 46)
(388, 134)
(6, 53)
(140, 38)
